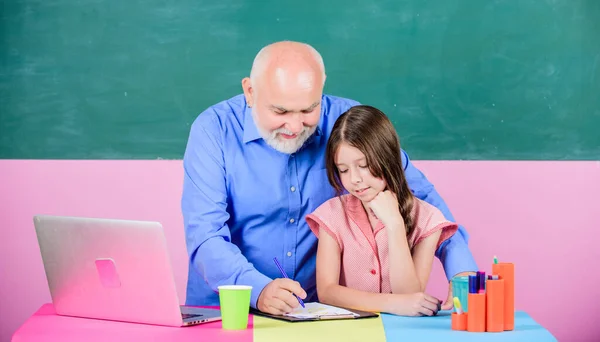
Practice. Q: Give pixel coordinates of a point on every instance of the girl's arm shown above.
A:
(423, 254)
(410, 273)
(403, 275)
(330, 292)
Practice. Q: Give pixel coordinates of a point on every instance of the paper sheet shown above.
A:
(314, 310)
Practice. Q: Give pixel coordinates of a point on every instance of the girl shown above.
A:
(377, 242)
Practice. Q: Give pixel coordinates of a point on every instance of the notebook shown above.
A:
(317, 311)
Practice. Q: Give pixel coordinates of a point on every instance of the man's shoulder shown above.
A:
(219, 114)
(338, 103)
(333, 107)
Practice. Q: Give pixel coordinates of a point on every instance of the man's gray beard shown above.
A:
(287, 146)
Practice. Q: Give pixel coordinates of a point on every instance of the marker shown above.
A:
(481, 279)
(495, 259)
(473, 284)
(457, 306)
(493, 277)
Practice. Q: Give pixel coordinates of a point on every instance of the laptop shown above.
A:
(112, 269)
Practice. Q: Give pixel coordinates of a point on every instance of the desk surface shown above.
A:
(45, 325)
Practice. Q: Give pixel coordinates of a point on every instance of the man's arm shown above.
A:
(204, 208)
(454, 253)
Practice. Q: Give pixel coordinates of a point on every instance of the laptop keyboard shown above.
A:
(184, 315)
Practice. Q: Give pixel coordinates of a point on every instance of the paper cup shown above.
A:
(235, 306)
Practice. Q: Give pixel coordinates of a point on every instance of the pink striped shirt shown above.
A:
(364, 259)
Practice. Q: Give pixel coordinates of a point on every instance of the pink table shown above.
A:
(45, 325)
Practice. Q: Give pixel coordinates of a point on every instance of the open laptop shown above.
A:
(114, 270)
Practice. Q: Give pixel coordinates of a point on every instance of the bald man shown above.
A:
(254, 168)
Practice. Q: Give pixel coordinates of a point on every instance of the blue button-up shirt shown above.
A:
(244, 203)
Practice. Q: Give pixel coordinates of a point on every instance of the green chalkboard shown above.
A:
(461, 79)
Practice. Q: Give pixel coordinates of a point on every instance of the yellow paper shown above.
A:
(360, 330)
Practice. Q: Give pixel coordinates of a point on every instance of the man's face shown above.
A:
(286, 111)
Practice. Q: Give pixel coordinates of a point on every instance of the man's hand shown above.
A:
(449, 303)
(277, 298)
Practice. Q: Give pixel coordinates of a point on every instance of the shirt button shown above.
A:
(292, 220)
(373, 272)
(289, 254)
(293, 189)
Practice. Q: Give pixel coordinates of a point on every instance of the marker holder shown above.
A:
(506, 271)
(495, 305)
(476, 320)
(492, 310)
(459, 322)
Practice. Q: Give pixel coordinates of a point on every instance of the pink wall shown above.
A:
(541, 215)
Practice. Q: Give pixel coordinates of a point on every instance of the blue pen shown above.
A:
(285, 276)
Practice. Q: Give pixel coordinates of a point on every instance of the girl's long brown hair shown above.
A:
(369, 130)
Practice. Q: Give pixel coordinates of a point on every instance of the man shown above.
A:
(254, 168)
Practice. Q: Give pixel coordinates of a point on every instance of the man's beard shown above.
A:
(287, 146)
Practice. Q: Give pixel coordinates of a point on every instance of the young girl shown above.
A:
(377, 242)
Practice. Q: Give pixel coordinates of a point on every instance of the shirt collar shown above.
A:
(251, 131)
(357, 213)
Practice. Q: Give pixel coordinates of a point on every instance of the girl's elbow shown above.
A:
(324, 293)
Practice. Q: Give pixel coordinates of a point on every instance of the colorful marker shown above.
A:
(495, 259)
(481, 281)
(457, 306)
(473, 283)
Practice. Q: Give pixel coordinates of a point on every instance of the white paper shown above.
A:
(317, 310)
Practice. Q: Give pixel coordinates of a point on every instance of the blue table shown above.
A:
(438, 328)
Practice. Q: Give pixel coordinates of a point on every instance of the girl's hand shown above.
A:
(385, 207)
(415, 304)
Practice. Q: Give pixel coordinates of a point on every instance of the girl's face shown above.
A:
(355, 174)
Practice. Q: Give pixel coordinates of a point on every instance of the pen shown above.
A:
(285, 276)
(457, 306)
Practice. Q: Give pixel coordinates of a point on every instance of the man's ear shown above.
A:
(248, 91)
